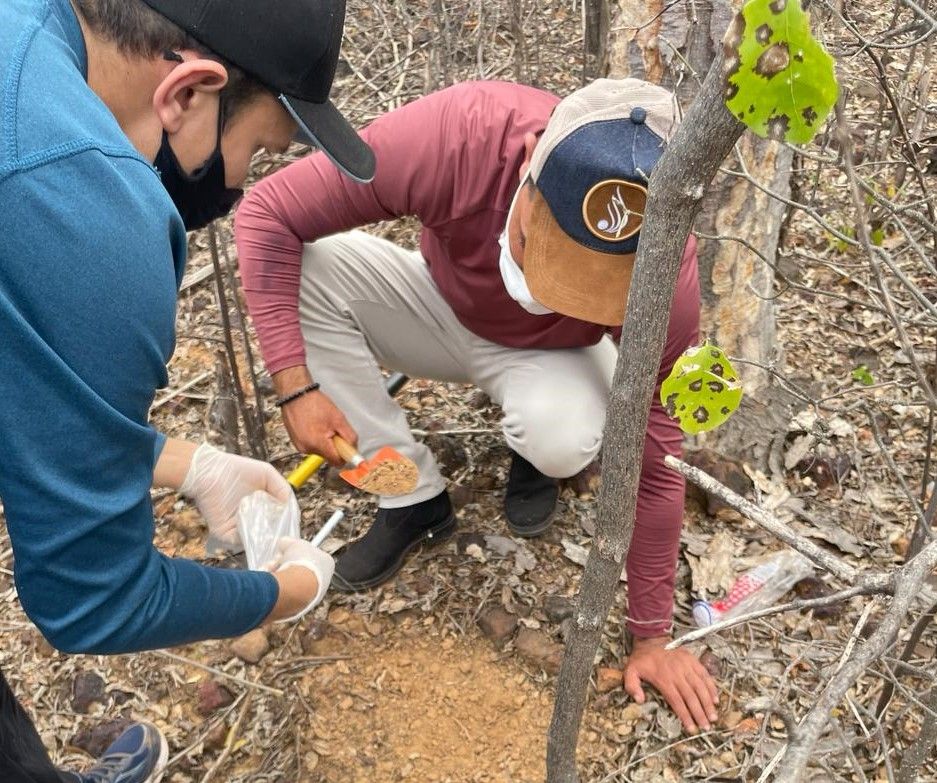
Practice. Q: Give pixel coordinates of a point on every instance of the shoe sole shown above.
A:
(533, 532)
(160, 768)
(434, 536)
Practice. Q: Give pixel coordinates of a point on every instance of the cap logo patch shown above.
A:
(613, 209)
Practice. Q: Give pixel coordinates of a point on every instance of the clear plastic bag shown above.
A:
(758, 588)
(262, 521)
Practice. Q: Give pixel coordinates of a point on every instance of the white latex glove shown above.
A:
(297, 552)
(217, 481)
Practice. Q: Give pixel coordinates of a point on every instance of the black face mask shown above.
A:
(201, 196)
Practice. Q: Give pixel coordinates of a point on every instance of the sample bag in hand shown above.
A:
(262, 521)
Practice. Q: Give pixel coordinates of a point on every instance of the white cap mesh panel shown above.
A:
(606, 99)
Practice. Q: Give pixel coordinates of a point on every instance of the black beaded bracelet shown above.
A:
(296, 394)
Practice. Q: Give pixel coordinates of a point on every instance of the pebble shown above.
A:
(557, 608)
(607, 679)
(252, 647)
(95, 740)
(498, 625)
(212, 695)
(87, 688)
(539, 649)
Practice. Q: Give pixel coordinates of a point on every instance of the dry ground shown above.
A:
(401, 683)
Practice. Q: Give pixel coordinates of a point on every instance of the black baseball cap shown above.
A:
(291, 47)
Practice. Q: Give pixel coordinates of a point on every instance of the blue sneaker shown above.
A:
(136, 756)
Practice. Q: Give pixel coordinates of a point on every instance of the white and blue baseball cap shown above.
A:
(591, 167)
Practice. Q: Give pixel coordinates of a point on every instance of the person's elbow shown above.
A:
(80, 618)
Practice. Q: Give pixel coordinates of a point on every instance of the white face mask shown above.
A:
(512, 274)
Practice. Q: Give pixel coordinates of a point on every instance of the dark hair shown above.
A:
(139, 31)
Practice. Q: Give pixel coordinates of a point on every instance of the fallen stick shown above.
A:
(218, 672)
(836, 566)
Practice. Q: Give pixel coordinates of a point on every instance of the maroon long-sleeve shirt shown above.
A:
(452, 160)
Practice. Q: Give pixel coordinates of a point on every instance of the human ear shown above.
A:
(183, 85)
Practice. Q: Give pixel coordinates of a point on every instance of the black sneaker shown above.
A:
(138, 755)
(530, 500)
(379, 554)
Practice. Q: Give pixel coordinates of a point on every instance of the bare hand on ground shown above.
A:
(680, 678)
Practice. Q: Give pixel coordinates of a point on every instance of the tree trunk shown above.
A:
(674, 196)
(675, 49)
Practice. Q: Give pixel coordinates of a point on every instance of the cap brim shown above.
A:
(572, 279)
(323, 126)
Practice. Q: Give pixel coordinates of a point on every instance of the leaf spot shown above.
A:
(777, 126)
(773, 60)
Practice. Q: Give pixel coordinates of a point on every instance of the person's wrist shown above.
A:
(299, 587)
(645, 642)
(297, 394)
(290, 379)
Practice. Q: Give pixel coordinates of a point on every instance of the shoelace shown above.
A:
(107, 769)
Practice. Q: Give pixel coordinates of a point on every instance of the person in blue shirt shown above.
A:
(92, 93)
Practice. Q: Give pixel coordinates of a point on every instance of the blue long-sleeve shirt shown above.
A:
(91, 254)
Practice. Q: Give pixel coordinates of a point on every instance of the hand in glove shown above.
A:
(217, 481)
(295, 552)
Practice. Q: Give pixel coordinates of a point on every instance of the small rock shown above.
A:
(252, 647)
(460, 496)
(95, 740)
(900, 545)
(212, 695)
(87, 688)
(607, 680)
(497, 625)
(119, 698)
(465, 540)
(539, 649)
(500, 545)
(810, 588)
(825, 471)
(557, 608)
(217, 737)
(727, 471)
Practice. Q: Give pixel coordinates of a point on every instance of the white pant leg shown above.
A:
(366, 303)
(554, 403)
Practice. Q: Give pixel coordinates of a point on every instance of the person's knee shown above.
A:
(558, 438)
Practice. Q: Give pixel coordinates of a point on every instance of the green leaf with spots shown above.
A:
(702, 390)
(779, 79)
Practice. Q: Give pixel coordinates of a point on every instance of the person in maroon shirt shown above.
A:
(531, 209)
